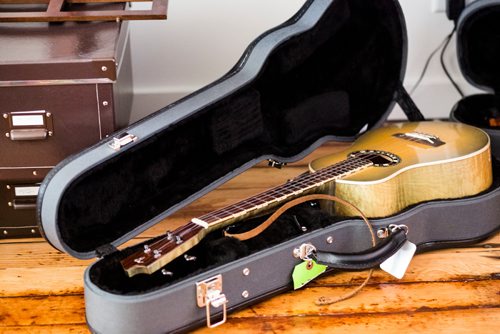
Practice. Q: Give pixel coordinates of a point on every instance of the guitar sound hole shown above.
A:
(378, 158)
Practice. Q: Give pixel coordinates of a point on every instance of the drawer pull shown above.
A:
(24, 204)
(29, 125)
(28, 134)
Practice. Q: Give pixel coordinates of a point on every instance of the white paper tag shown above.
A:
(28, 120)
(397, 264)
(26, 191)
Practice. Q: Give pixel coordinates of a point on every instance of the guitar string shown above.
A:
(284, 190)
(317, 177)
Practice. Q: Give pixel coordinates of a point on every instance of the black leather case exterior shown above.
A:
(478, 31)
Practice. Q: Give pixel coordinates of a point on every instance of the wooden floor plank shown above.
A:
(50, 329)
(38, 255)
(28, 282)
(383, 298)
(40, 311)
(374, 299)
(484, 321)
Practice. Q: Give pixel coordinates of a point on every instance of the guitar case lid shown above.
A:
(478, 49)
(478, 44)
(331, 71)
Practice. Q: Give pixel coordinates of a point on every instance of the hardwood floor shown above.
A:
(447, 291)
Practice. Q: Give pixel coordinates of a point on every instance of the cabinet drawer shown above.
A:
(41, 125)
(18, 209)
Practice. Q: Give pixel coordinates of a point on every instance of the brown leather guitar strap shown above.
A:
(307, 198)
(257, 230)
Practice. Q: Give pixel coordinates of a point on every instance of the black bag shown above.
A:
(478, 50)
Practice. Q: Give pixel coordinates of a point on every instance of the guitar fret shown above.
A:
(279, 192)
(243, 205)
(212, 217)
(293, 187)
(240, 205)
(286, 191)
(262, 199)
(226, 212)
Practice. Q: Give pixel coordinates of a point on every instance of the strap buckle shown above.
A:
(385, 232)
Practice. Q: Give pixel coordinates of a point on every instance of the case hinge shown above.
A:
(105, 250)
(209, 294)
(275, 163)
(121, 141)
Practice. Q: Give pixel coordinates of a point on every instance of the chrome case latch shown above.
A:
(122, 140)
(209, 294)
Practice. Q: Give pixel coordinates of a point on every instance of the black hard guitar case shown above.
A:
(478, 50)
(333, 71)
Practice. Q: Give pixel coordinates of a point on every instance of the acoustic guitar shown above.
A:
(382, 173)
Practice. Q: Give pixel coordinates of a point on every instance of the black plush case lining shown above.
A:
(332, 80)
(478, 48)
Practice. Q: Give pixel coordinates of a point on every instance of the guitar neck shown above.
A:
(176, 243)
(278, 195)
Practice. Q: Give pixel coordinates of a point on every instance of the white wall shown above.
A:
(202, 39)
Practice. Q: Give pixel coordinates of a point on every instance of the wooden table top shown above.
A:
(447, 291)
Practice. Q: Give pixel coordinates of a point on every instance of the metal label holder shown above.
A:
(22, 197)
(29, 125)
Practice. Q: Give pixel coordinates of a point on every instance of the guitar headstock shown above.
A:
(158, 254)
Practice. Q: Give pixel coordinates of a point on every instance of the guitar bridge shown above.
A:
(422, 138)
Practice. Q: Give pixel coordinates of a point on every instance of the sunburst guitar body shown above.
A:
(413, 162)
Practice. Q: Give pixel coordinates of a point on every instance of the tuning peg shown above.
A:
(189, 257)
(165, 272)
